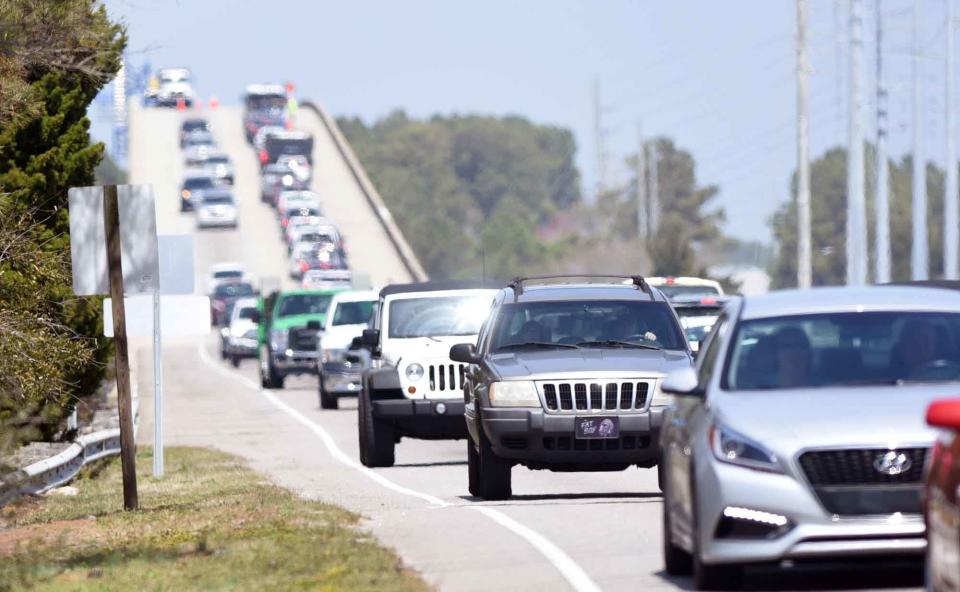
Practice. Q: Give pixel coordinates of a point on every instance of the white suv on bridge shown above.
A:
(414, 389)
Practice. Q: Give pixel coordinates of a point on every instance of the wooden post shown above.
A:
(128, 452)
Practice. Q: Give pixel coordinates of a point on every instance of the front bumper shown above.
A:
(421, 418)
(340, 378)
(295, 362)
(547, 440)
(243, 347)
(211, 221)
(812, 533)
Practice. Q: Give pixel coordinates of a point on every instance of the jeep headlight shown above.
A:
(278, 339)
(660, 398)
(514, 393)
(414, 372)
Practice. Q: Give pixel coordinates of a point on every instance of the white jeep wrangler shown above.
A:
(413, 388)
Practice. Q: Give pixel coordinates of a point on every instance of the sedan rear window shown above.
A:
(844, 349)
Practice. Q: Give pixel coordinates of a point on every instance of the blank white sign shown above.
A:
(176, 263)
(180, 316)
(138, 240)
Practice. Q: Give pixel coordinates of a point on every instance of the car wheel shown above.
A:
(235, 360)
(676, 561)
(473, 468)
(493, 472)
(377, 438)
(269, 377)
(223, 353)
(711, 577)
(327, 400)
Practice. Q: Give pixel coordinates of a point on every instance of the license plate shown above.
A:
(600, 427)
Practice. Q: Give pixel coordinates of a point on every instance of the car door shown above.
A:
(682, 428)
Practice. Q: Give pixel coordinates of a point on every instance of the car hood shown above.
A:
(867, 416)
(291, 321)
(340, 336)
(585, 362)
(423, 348)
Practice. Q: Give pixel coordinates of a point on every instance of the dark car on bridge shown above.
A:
(223, 298)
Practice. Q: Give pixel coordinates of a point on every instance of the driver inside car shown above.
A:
(915, 349)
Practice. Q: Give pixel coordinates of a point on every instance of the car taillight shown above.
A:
(284, 222)
(708, 300)
(304, 266)
(264, 156)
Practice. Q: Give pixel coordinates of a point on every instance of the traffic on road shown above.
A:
(780, 430)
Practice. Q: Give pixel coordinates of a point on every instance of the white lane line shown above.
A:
(568, 568)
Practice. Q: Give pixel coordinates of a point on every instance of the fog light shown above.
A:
(441, 408)
(744, 523)
(289, 353)
(411, 389)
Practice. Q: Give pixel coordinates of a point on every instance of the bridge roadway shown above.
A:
(561, 531)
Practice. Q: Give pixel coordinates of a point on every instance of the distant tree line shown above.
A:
(54, 59)
(501, 196)
(828, 199)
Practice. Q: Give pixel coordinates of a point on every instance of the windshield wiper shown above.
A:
(617, 343)
(536, 344)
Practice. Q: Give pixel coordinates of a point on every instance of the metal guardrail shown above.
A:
(409, 258)
(64, 466)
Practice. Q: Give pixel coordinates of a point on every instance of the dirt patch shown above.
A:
(71, 533)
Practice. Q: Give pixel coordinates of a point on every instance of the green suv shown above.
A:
(287, 336)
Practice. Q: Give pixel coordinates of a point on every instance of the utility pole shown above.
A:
(951, 266)
(653, 160)
(642, 223)
(882, 255)
(804, 249)
(598, 138)
(856, 203)
(918, 257)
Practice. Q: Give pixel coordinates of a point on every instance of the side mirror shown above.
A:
(682, 382)
(314, 325)
(370, 338)
(356, 343)
(256, 317)
(464, 353)
(944, 414)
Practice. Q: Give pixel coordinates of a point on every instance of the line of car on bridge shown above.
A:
(792, 431)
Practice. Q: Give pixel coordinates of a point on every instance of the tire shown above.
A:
(711, 577)
(223, 352)
(473, 468)
(235, 361)
(493, 472)
(661, 476)
(327, 400)
(676, 561)
(377, 437)
(269, 377)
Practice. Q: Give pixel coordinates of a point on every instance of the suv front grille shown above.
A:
(858, 482)
(446, 377)
(611, 395)
(302, 339)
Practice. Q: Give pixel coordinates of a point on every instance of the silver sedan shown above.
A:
(801, 434)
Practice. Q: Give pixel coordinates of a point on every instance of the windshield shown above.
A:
(353, 313)
(674, 290)
(217, 200)
(298, 304)
(218, 159)
(844, 349)
(199, 183)
(613, 323)
(192, 125)
(303, 212)
(264, 102)
(697, 321)
(233, 290)
(228, 273)
(441, 315)
(247, 312)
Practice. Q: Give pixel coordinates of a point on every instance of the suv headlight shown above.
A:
(278, 339)
(735, 448)
(660, 398)
(514, 393)
(414, 372)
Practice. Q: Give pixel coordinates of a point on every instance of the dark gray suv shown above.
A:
(565, 376)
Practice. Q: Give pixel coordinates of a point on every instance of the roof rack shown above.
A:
(637, 280)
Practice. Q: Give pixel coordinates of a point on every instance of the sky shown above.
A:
(716, 77)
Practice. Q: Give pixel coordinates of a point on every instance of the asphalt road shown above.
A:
(561, 531)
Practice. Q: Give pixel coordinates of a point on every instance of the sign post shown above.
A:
(157, 390)
(128, 460)
(113, 250)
